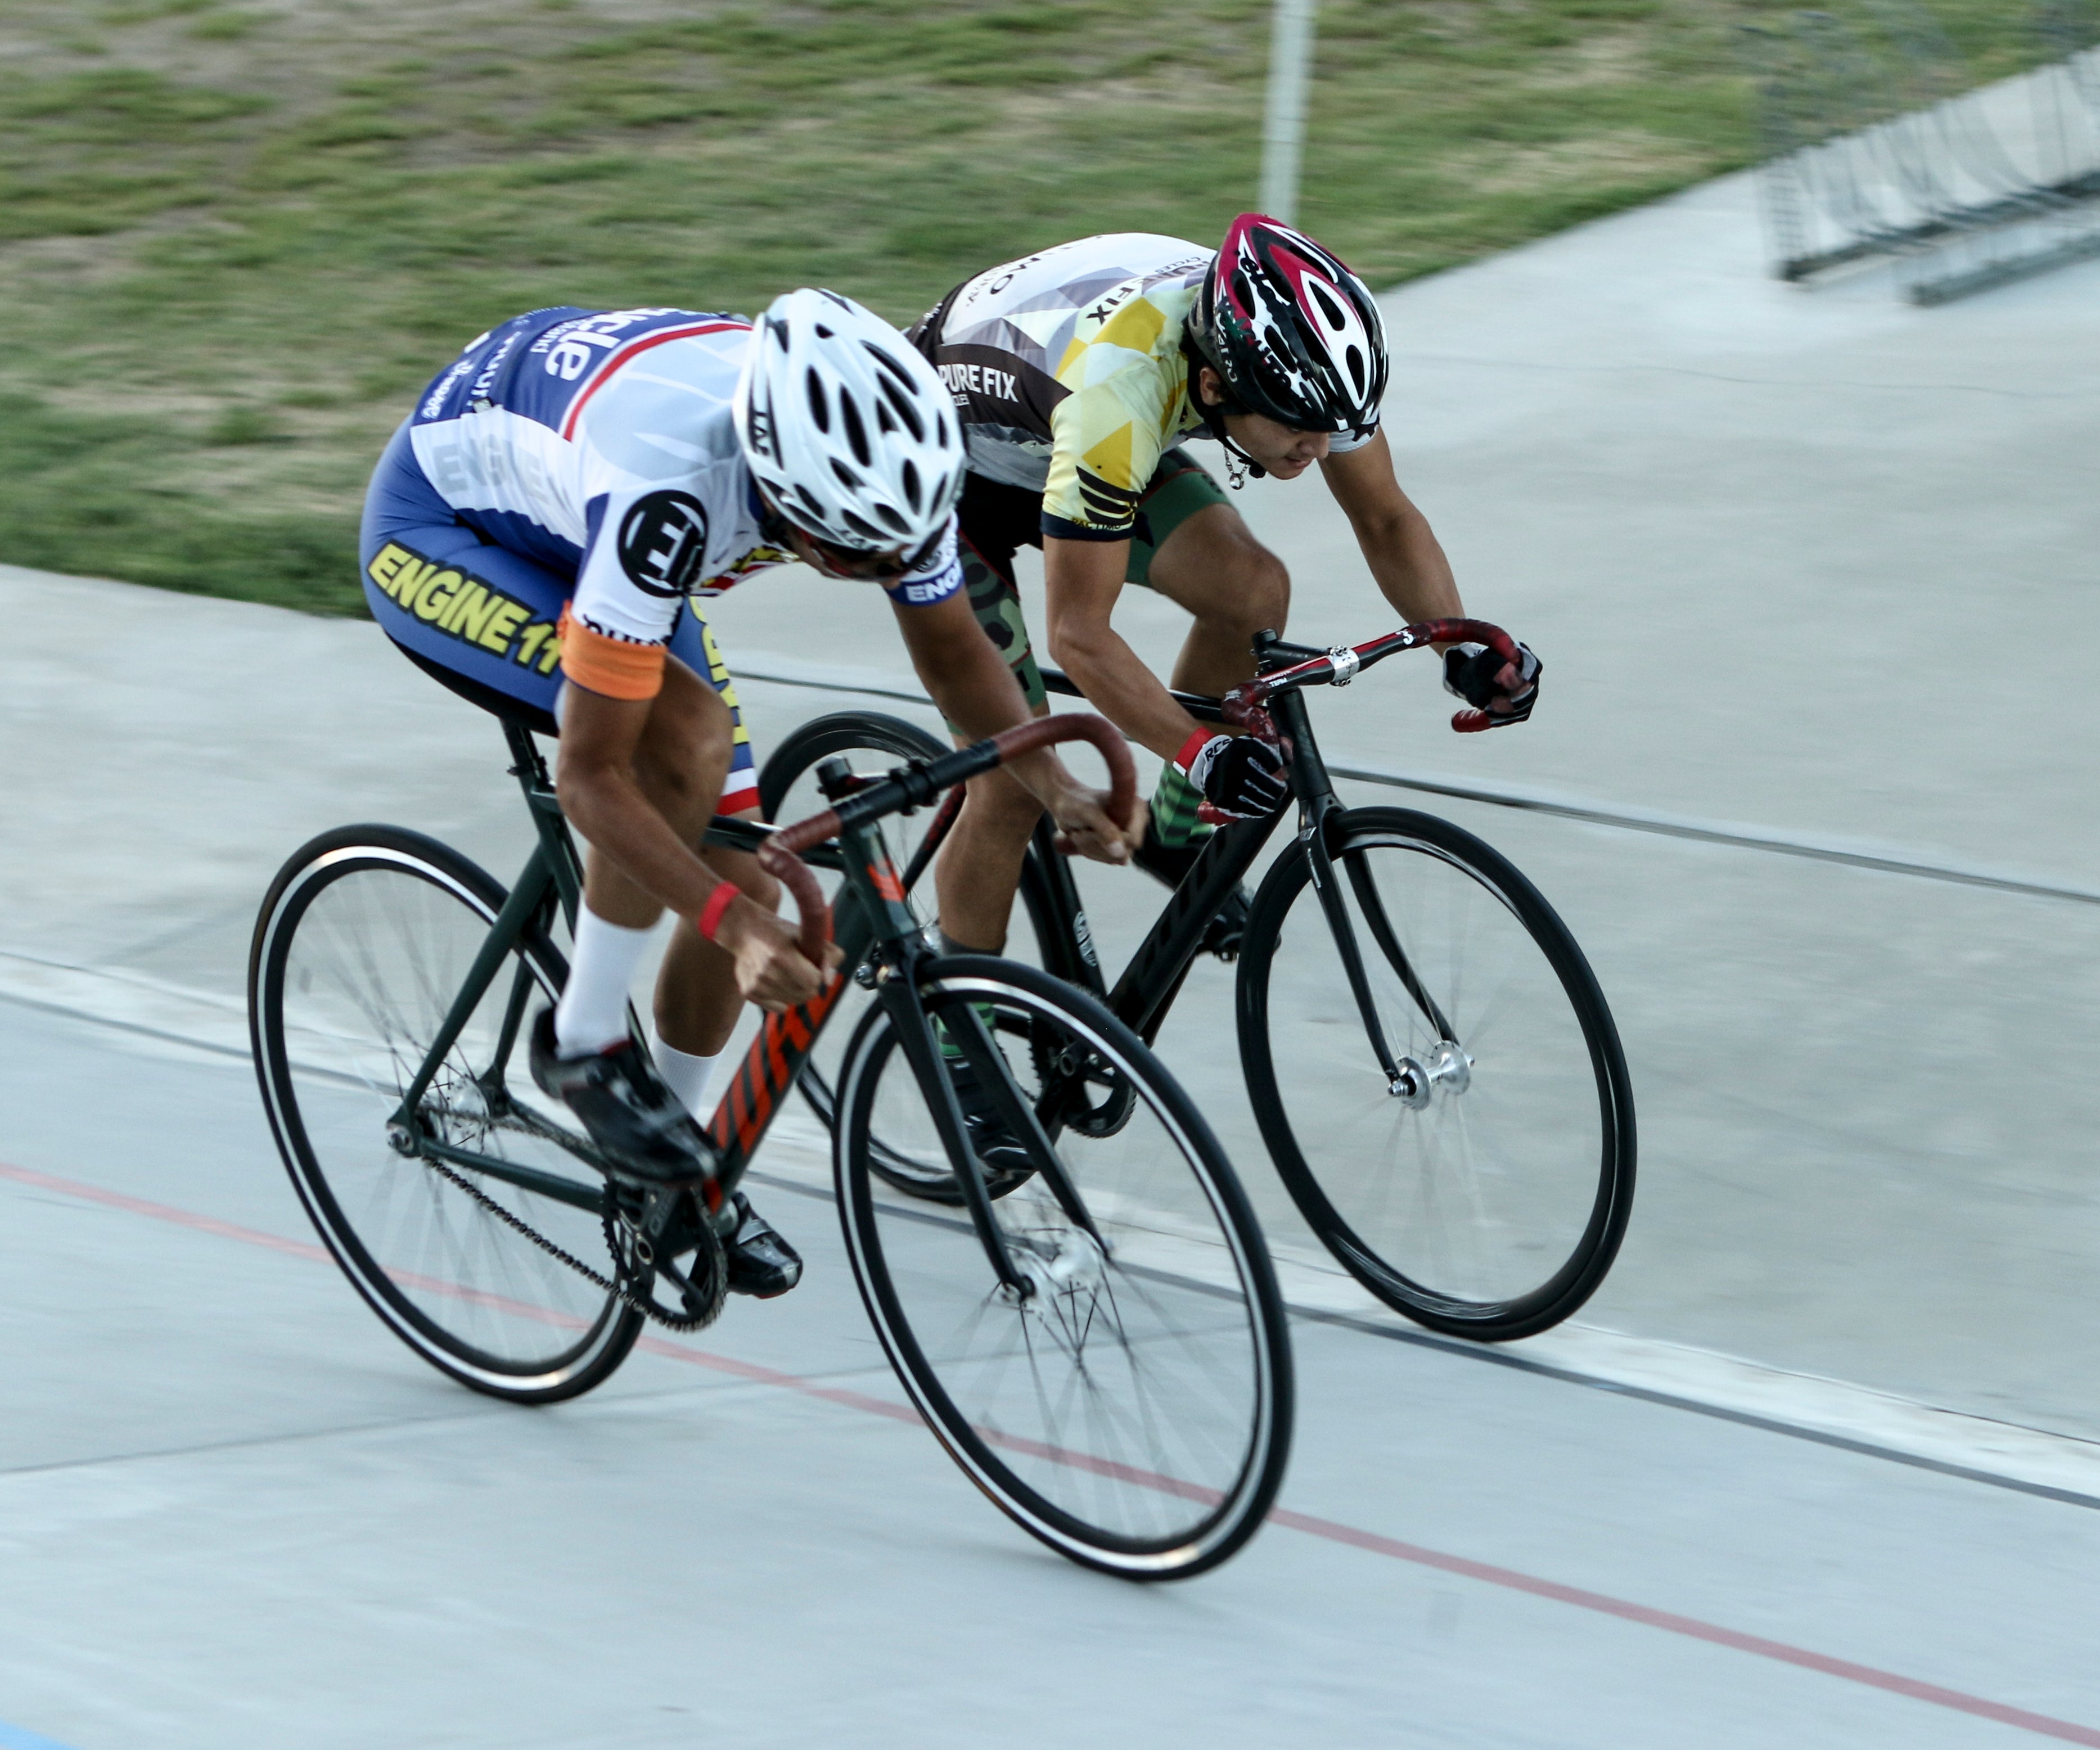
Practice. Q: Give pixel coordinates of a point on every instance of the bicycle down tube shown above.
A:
(870, 908)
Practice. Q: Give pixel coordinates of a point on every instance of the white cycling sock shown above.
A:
(685, 1074)
(593, 1012)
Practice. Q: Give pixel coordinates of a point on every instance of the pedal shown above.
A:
(1228, 929)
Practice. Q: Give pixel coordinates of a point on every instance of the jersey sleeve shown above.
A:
(1105, 442)
(1126, 381)
(644, 550)
(940, 577)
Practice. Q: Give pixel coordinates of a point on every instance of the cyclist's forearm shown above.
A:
(1120, 687)
(607, 808)
(1410, 567)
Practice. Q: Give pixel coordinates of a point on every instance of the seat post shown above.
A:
(557, 845)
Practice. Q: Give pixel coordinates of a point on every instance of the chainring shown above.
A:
(1091, 1098)
(666, 1255)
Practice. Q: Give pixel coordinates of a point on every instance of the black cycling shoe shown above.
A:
(1003, 1155)
(619, 1099)
(762, 1264)
(1171, 863)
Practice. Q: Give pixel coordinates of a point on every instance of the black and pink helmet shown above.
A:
(1294, 334)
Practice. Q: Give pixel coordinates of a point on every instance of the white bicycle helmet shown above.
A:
(849, 430)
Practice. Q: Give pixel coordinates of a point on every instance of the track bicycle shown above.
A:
(1430, 1061)
(1097, 1341)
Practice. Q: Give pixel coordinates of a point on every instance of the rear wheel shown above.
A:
(1484, 1192)
(364, 941)
(1133, 1411)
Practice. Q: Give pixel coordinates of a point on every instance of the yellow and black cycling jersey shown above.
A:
(1068, 373)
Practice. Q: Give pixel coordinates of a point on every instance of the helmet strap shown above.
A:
(1238, 463)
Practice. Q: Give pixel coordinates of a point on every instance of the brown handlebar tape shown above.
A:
(1080, 726)
(781, 855)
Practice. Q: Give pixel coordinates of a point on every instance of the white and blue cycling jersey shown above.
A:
(576, 460)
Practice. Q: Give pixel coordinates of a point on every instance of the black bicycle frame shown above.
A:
(1145, 991)
(553, 876)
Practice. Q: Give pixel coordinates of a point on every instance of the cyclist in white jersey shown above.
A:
(536, 536)
(1079, 372)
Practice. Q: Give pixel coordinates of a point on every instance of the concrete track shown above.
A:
(1821, 565)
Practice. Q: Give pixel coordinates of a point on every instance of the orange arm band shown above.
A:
(611, 666)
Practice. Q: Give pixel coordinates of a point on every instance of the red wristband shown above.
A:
(1190, 748)
(724, 895)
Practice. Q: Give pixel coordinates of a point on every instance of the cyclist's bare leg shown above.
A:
(1212, 565)
(1232, 586)
(978, 871)
(680, 766)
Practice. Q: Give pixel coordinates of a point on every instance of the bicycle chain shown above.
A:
(628, 1297)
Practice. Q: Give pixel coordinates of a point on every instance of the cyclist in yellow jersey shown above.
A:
(1079, 372)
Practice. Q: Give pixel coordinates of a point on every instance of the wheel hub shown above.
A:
(1446, 1068)
(1067, 1263)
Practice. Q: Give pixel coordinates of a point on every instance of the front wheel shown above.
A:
(1483, 1190)
(1133, 1410)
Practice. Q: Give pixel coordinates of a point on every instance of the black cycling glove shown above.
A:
(1241, 776)
(1472, 672)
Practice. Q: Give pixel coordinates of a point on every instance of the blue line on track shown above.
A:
(14, 1737)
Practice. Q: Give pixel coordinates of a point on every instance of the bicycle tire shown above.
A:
(1134, 1415)
(445, 1273)
(1512, 1200)
(795, 759)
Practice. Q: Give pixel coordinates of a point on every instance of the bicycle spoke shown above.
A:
(1125, 1404)
(481, 1275)
(1483, 1192)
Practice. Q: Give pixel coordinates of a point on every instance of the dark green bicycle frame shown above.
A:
(866, 920)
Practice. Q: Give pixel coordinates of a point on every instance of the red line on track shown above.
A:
(1510, 1580)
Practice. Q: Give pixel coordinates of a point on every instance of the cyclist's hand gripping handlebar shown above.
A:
(909, 786)
(1244, 705)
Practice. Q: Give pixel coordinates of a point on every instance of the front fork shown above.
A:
(1321, 812)
(916, 1033)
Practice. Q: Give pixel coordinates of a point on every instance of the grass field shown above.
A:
(235, 237)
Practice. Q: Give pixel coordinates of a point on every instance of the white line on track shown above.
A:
(1802, 1406)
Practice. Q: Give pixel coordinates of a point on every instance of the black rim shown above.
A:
(1592, 1255)
(1241, 1507)
(610, 1334)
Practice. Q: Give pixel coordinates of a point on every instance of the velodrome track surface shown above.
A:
(1819, 565)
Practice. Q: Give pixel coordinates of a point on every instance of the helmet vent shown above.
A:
(1328, 307)
(889, 364)
(905, 410)
(847, 430)
(856, 431)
